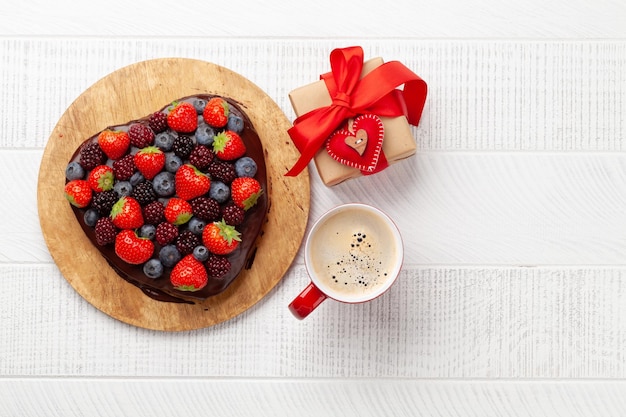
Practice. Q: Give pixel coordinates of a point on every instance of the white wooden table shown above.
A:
(513, 298)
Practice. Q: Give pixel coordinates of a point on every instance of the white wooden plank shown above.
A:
(489, 208)
(491, 323)
(484, 95)
(167, 397)
(363, 19)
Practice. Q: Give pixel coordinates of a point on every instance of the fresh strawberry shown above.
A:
(216, 112)
(178, 211)
(190, 182)
(245, 192)
(150, 161)
(101, 178)
(189, 274)
(114, 143)
(78, 193)
(183, 117)
(133, 249)
(126, 213)
(228, 145)
(220, 238)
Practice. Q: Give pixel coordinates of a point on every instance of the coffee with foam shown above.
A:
(354, 253)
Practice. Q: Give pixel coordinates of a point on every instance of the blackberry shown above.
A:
(222, 171)
(233, 214)
(205, 208)
(91, 155)
(166, 233)
(153, 213)
(105, 231)
(186, 242)
(158, 122)
(124, 168)
(183, 145)
(217, 266)
(201, 157)
(103, 202)
(140, 135)
(144, 193)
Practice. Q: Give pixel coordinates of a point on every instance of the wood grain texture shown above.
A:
(486, 323)
(286, 397)
(483, 95)
(271, 18)
(131, 93)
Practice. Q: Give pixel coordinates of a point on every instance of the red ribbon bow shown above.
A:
(351, 95)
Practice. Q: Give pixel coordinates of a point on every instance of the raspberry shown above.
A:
(153, 213)
(222, 171)
(143, 193)
(201, 157)
(233, 214)
(217, 266)
(140, 135)
(183, 145)
(158, 122)
(166, 233)
(186, 242)
(91, 155)
(124, 168)
(205, 208)
(105, 231)
(103, 202)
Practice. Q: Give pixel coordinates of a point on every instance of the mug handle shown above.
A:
(307, 301)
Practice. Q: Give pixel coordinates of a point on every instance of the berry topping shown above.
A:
(182, 117)
(124, 168)
(222, 171)
(196, 225)
(166, 233)
(186, 241)
(220, 238)
(172, 162)
(133, 249)
(217, 266)
(147, 231)
(245, 192)
(235, 123)
(233, 215)
(150, 161)
(164, 184)
(105, 231)
(140, 135)
(201, 253)
(74, 171)
(205, 208)
(219, 191)
(245, 167)
(178, 211)
(91, 155)
(126, 213)
(228, 146)
(191, 182)
(123, 188)
(114, 143)
(144, 193)
(153, 213)
(153, 269)
(157, 122)
(205, 134)
(101, 178)
(216, 112)
(182, 147)
(201, 157)
(78, 193)
(91, 217)
(103, 202)
(169, 256)
(189, 274)
(164, 141)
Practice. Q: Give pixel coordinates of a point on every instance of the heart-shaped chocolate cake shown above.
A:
(174, 201)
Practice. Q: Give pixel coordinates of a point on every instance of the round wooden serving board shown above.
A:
(131, 93)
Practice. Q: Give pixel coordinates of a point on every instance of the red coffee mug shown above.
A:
(353, 254)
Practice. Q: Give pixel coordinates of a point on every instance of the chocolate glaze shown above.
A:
(251, 230)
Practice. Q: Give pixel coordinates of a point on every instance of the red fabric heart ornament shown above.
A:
(360, 144)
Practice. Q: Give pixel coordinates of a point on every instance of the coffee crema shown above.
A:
(354, 254)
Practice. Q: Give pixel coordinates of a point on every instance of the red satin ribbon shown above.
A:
(375, 93)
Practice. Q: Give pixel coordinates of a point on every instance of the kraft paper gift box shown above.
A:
(398, 141)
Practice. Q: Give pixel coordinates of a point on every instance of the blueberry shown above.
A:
(153, 268)
(235, 123)
(245, 167)
(169, 255)
(136, 178)
(123, 188)
(74, 171)
(164, 184)
(199, 104)
(164, 141)
(148, 231)
(219, 191)
(204, 134)
(172, 162)
(201, 253)
(91, 217)
(196, 225)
